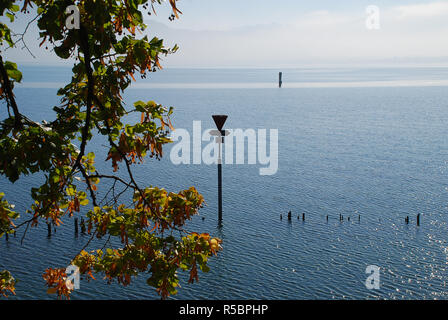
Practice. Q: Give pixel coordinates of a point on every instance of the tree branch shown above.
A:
(84, 44)
(10, 95)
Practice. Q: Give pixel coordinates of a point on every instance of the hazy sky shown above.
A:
(262, 33)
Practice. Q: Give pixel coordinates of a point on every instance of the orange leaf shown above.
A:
(52, 290)
(90, 274)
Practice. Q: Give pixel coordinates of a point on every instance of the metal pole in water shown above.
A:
(220, 134)
(219, 181)
(280, 80)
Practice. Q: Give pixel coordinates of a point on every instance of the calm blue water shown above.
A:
(380, 152)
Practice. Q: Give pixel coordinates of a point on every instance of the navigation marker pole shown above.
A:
(220, 134)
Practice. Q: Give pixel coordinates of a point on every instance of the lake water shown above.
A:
(357, 142)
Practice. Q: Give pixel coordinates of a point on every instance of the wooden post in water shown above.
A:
(406, 219)
(289, 215)
(303, 216)
(48, 229)
(76, 226)
(280, 80)
(83, 226)
(418, 219)
(7, 236)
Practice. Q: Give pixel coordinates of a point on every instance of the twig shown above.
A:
(22, 36)
(24, 233)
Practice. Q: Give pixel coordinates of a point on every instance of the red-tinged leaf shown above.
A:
(154, 228)
(91, 275)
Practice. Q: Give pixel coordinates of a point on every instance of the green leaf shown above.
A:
(12, 71)
(70, 191)
(10, 16)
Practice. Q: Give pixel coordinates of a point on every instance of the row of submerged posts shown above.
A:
(341, 217)
(52, 229)
(81, 225)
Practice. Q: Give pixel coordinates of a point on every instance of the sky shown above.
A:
(290, 33)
